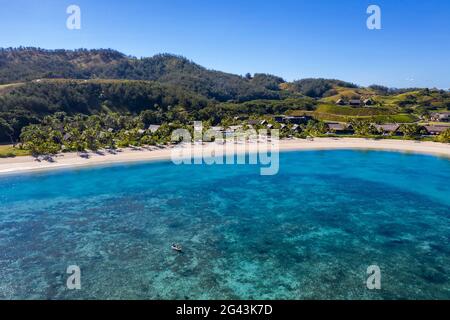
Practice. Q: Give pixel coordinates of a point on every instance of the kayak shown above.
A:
(176, 247)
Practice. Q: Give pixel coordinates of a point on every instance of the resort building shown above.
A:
(436, 130)
(279, 119)
(297, 120)
(440, 116)
(341, 102)
(339, 128)
(257, 122)
(154, 127)
(389, 128)
(292, 119)
(355, 102)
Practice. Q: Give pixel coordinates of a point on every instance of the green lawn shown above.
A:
(328, 112)
(352, 111)
(429, 123)
(396, 118)
(8, 151)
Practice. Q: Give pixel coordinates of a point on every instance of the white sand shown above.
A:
(73, 160)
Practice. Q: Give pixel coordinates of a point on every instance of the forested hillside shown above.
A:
(24, 64)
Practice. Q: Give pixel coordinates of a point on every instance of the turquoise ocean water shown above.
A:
(309, 232)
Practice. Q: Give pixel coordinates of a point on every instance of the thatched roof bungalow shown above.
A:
(436, 130)
(389, 128)
(339, 128)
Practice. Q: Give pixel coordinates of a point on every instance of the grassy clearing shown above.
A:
(352, 111)
(383, 118)
(8, 151)
(327, 112)
(395, 118)
(428, 123)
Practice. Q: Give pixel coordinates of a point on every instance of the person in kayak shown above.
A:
(176, 247)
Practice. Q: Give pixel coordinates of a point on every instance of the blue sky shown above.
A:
(290, 38)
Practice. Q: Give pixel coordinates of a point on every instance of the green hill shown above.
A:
(25, 64)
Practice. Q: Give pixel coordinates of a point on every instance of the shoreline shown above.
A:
(28, 164)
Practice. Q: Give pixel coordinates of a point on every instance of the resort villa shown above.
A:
(388, 129)
(440, 116)
(355, 102)
(154, 127)
(339, 128)
(292, 120)
(435, 129)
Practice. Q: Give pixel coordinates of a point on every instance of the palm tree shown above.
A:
(7, 130)
(410, 130)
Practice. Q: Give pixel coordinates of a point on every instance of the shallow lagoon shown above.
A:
(309, 232)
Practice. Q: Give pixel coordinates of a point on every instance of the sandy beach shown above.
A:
(73, 160)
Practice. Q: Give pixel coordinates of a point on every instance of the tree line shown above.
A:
(63, 133)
